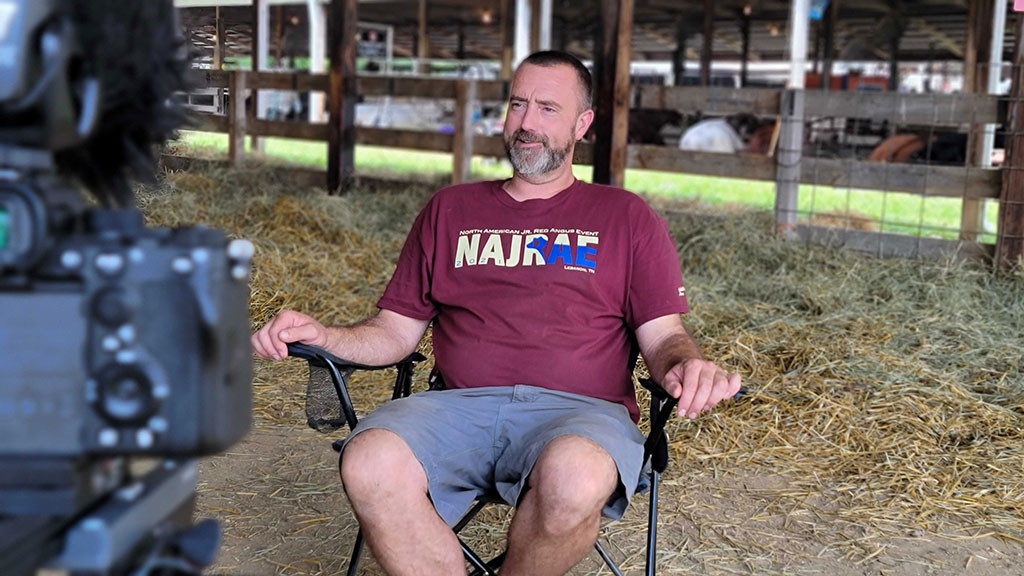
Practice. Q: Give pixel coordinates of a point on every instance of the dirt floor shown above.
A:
(883, 435)
(283, 512)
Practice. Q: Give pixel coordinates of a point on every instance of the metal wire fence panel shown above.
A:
(895, 174)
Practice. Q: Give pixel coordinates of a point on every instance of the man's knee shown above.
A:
(378, 463)
(572, 480)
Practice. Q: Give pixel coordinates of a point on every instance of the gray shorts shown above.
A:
(478, 441)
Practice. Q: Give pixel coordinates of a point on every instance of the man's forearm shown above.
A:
(372, 341)
(673, 348)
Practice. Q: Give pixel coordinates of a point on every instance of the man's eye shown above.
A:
(548, 109)
(516, 105)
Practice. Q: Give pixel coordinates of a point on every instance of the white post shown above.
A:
(317, 50)
(995, 66)
(799, 23)
(546, 8)
(522, 44)
(791, 133)
(262, 33)
(994, 73)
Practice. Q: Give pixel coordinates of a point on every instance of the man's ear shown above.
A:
(583, 122)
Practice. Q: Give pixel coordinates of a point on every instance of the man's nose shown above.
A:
(531, 119)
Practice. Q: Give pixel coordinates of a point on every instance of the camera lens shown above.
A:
(126, 394)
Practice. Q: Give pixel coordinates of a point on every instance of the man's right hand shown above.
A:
(271, 341)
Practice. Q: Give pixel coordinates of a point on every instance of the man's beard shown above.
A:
(534, 161)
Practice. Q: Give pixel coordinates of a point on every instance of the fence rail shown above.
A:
(789, 168)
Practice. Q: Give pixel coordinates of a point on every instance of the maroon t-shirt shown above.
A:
(541, 292)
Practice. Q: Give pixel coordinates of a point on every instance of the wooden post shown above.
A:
(534, 26)
(611, 65)
(894, 63)
(679, 56)
(1010, 242)
(260, 39)
(706, 46)
(218, 47)
(745, 47)
(462, 152)
(279, 35)
(831, 18)
(423, 41)
(460, 43)
(236, 117)
(218, 55)
(976, 56)
(508, 34)
(342, 95)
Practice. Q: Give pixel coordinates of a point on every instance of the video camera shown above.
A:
(116, 340)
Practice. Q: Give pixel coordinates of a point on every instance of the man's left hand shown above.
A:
(699, 385)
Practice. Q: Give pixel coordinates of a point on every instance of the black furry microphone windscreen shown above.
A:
(136, 51)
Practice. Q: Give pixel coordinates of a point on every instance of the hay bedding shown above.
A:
(882, 433)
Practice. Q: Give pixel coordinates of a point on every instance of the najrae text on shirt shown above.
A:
(511, 250)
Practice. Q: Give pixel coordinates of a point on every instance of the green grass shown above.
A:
(890, 211)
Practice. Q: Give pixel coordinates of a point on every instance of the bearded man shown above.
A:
(536, 286)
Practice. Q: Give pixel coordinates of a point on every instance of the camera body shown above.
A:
(122, 339)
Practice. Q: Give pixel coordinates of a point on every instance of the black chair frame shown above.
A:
(655, 449)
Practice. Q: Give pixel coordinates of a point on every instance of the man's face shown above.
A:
(544, 118)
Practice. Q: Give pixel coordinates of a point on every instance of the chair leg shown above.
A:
(357, 550)
(607, 559)
(652, 526)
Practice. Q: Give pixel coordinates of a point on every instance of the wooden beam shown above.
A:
(745, 48)
(260, 41)
(508, 35)
(679, 56)
(831, 18)
(462, 151)
(761, 101)
(237, 117)
(707, 42)
(534, 25)
(939, 36)
(422, 39)
(341, 95)
(1010, 241)
(611, 65)
(976, 56)
(218, 46)
(900, 108)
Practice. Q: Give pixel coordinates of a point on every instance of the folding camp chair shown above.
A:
(329, 407)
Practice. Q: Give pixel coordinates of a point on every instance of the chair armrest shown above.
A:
(339, 371)
(319, 357)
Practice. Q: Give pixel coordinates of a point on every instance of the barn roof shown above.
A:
(933, 29)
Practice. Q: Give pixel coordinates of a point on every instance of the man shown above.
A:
(534, 285)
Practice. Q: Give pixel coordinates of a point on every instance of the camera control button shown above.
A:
(108, 437)
(71, 259)
(109, 264)
(112, 306)
(182, 265)
(126, 333)
(110, 343)
(157, 424)
(144, 438)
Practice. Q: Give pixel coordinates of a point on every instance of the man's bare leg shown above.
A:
(388, 491)
(558, 518)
